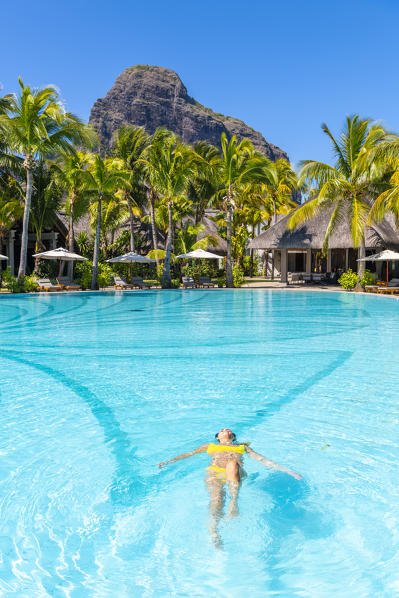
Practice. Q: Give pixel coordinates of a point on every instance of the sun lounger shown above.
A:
(120, 283)
(44, 284)
(138, 282)
(206, 282)
(388, 289)
(371, 288)
(69, 286)
(188, 282)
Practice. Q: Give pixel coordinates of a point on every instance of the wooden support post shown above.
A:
(308, 261)
(284, 266)
(329, 260)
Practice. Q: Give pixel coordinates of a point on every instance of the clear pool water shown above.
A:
(96, 389)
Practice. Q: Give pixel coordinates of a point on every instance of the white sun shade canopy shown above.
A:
(60, 254)
(383, 256)
(3, 257)
(200, 254)
(127, 258)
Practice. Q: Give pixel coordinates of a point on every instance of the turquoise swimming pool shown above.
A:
(96, 389)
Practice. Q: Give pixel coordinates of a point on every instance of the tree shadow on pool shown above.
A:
(127, 487)
(292, 514)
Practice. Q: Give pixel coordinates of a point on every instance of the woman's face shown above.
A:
(225, 435)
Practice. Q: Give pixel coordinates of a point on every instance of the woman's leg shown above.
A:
(216, 504)
(233, 480)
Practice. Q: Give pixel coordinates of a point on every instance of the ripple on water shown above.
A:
(96, 389)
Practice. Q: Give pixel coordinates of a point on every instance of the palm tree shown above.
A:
(46, 200)
(38, 126)
(239, 164)
(348, 186)
(150, 157)
(388, 200)
(105, 178)
(278, 181)
(11, 204)
(71, 175)
(205, 183)
(129, 145)
(169, 165)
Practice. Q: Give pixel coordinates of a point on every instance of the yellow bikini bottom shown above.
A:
(219, 471)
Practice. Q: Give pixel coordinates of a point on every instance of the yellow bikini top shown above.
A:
(219, 448)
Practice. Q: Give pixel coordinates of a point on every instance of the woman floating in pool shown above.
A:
(226, 467)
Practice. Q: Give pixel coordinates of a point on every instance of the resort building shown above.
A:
(300, 250)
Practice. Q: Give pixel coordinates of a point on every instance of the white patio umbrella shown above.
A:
(199, 254)
(62, 255)
(384, 256)
(130, 257)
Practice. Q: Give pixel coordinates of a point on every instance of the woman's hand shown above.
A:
(295, 475)
(160, 465)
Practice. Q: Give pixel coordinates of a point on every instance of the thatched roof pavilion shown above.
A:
(211, 229)
(307, 241)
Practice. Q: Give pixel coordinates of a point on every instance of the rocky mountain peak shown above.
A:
(153, 96)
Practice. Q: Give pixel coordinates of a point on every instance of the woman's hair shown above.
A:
(217, 436)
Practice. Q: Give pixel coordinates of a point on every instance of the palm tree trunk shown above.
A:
(38, 246)
(131, 219)
(229, 269)
(96, 246)
(251, 268)
(362, 253)
(25, 222)
(153, 226)
(166, 281)
(71, 235)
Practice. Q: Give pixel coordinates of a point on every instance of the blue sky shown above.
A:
(282, 67)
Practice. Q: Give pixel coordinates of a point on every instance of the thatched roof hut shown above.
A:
(211, 229)
(310, 235)
(299, 250)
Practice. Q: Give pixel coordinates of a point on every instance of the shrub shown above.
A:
(84, 272)
(348, 280)
(368, 278)
(247, 265)
(221, 281)
(105, 275)
(47, 269)
(10, 282)
(24, 284)
(28, 284)
(238, 276)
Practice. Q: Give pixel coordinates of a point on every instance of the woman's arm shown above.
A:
(271, 464)
(200, 449)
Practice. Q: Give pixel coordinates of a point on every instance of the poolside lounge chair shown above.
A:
(188, 282)
(120, 283)
(206, 282)
(387, 289)
(69, 286)
(44, 284)
(138, 282)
